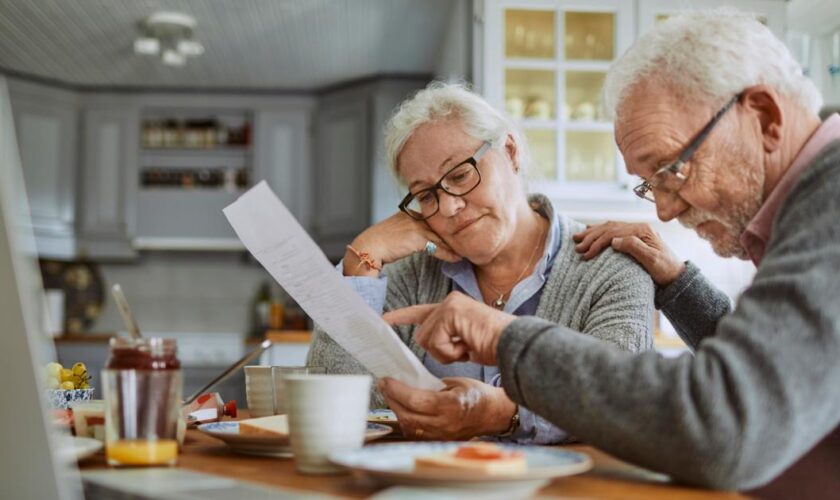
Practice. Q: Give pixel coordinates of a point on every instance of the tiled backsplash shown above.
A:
(212, 292)
(184, 291)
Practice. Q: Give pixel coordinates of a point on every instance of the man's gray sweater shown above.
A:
(761, 390)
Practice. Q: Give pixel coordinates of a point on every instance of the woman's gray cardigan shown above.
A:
(609, 297)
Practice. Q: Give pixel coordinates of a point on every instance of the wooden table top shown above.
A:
(609, 478)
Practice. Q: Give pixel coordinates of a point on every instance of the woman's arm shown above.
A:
(397, 286)
(621, 311)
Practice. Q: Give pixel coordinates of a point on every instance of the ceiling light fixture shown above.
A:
(170, 35)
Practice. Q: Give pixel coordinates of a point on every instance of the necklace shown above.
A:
(500, 302)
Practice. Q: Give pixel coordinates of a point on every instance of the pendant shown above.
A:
(499, 303)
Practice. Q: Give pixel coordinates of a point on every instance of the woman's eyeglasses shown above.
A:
(457, 181)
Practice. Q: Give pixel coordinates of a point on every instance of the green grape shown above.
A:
(54, 369)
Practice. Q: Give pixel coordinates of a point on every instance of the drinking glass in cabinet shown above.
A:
(589, 36)
(529, 34)
(590, 157)
(583, 96)
(530, 93)
(543, 147)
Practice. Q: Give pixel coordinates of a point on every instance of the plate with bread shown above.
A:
(267, 436)
(475, 465)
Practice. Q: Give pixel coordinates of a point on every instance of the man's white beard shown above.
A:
(734, 218)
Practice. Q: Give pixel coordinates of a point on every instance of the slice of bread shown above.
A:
(506, 464)
(272, 426)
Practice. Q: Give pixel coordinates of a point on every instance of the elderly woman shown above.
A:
(467, 225)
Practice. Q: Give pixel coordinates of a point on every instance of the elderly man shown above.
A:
(715, 116)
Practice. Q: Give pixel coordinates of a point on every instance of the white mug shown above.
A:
(278, 373)
(327, 413)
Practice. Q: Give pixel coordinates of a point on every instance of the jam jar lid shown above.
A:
(149, 353)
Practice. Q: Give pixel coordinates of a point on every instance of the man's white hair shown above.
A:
(710, 55)
(443, 101)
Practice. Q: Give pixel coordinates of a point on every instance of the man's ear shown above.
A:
(512, 150)
(764, 103)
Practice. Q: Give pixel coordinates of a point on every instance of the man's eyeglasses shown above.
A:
(459, 180)
(671, 178)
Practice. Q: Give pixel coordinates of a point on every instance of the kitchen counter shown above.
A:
(276, 336)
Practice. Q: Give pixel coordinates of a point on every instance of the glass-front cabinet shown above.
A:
(771, 13)
(545, 63)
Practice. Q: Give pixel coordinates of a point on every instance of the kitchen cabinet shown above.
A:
(273, 144)
(353, 185)
(769, 12)
(193, 162)
(141, 194)
(46, 124)
(109, 164)
(544, 63)
(283, 156)
(342, 191)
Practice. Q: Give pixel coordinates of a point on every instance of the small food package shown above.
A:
(208, 408)
(89, 418)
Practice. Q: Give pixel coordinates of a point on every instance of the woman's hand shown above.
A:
(464, 409)
(639, 241)
(458, 329)
(392, 239)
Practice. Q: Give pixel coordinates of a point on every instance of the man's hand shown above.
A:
(639, 241)
(464, 409)
(457, 329)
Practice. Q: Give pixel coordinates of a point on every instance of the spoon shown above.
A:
(125, 311)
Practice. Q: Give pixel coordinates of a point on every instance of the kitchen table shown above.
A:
(609, 477)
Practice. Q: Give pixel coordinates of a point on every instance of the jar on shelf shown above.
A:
(142, 386)
(152, 134)
(172, 134)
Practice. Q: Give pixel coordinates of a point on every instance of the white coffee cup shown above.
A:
(327, 413)
(278, 373)
(259, 391)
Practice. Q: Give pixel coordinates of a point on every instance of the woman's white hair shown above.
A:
(444, 101)
(710, 55)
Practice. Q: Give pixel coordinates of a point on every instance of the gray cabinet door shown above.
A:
(342, 180)
(109, 173)
(46, 127)
(282, 158)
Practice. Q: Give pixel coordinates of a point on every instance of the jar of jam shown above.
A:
(142, 386)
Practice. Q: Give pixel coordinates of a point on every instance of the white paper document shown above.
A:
(276, 239)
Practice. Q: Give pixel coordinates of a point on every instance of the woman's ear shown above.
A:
(512, 151)
(764, 104)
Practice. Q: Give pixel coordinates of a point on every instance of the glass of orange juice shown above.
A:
(142, 386)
